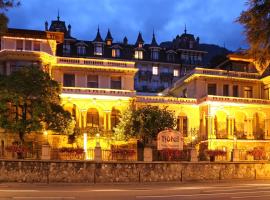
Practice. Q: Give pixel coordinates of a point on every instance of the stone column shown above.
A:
(109, 120)
(84, 119)
(210, 127)
(267, 129)
(148, 154)
(230, 127)
(105, 121)
(249, 128)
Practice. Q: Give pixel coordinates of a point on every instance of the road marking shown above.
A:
(43, 198)
(18, 190)
(240, 189)
(267, 195)
(118, 190)
(197, 195)
(109, 190)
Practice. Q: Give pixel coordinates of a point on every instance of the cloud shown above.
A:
(212, 20)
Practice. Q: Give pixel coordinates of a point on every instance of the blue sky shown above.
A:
(212, 20)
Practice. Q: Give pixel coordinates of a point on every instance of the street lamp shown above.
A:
(192, 140)
(98, 140)
(193, 132)
(46, 137)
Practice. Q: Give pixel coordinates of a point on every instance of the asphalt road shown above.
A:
(254, 190)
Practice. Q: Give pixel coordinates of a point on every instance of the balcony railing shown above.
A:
(157, 99)
(233, 100)
(98, 91)
(217, 72)
(94, 62)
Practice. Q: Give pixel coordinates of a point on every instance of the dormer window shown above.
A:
(138, 55)
(81, 51)
(170, 57)
(140, 45)
(66, 48)
(109, 42)
(115, 53)
(154, 55)
(98, 49)
(190, 44)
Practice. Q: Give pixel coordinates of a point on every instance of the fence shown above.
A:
(171, 155)
(113, 154)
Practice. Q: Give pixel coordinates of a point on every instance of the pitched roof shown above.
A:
(139, 39)
(109, 35)
(154, 42)
(98, 37)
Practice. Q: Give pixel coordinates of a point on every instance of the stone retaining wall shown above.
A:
(107, 172)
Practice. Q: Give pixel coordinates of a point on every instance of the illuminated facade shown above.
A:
(217, 108)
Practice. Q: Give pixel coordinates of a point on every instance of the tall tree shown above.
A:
(256, 21)
(30, 101)
(4, 6)
(145, 122)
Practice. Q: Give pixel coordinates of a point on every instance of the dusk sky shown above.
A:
(212, 20)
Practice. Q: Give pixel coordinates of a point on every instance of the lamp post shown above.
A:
(235, 142)
(235, 153)
(46, 137)
(193, 151)
(193, 132)
(85, 145)
(192, 140)
(46, 149)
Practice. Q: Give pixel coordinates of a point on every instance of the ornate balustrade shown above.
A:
(233, 100)
(217, 72)
(157, 99)
(98, 91)
(95, 62)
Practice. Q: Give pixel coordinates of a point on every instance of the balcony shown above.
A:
(227, 99)
(157, 99)
(216, 72)
(97, 91)
(95, 62)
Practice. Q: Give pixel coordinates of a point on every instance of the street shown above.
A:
(258, 190)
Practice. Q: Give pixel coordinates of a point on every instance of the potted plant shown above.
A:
(20, 150)
(216, 154)
(257, 154)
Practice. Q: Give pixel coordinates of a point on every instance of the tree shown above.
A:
(124, 129)
(30, 102)
(145, 122)
(4, 6)
(256, 21)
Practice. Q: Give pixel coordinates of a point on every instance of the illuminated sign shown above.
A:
(170, 139)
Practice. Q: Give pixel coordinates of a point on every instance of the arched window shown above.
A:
(92, 118)
(116, 53)
(154, 54)
(81, 51)
(98, 51)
